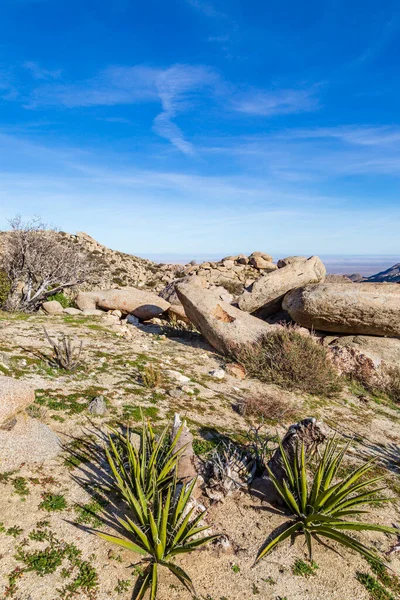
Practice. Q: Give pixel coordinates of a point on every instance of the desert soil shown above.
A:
(112, 359)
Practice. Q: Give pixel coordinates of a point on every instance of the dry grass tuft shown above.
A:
(266, 408)
(293, 361)
(151, 377)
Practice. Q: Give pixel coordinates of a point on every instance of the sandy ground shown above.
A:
(111, 360)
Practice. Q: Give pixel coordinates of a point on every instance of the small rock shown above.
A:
(132, 320)
(53, 307)
(72, 311)
(236, 370)
(175, 393)
(217, 373)
(97, 406)
(178, 376)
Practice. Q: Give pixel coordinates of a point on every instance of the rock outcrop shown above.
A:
(363, 308)
(268, 291)
(225, 327)
(391, 275)
(15, 396)
(142, 304)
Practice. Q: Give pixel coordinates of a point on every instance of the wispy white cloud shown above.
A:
(39, 72)
(176, 88)
(358, 135)
(206, 8)
(115, 85)
(276, 102)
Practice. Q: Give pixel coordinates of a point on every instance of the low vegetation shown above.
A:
(66, 354)
(318, 507)
(159, 523)
(293, 361)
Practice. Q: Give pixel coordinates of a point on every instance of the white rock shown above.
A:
(178, 376)
(217, 373)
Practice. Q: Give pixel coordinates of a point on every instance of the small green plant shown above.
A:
(20, 487)
(304, 569)
(62, 299)
(374, 588)
(14, 531)
(318, 507)
(235, 568)
(292, 361)
(151, 376)
(122, 586)
(53, 502)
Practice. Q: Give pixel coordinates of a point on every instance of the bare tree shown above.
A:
(38, 264)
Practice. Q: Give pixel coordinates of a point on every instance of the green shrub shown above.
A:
(62, 299)
(293, 361)
(318, 505)
(5, 287)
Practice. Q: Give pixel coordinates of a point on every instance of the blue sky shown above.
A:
(204, 127)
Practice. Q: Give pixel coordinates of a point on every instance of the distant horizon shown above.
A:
(365, 264)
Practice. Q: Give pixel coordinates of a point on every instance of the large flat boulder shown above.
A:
(268, 291)
(225, 327)
(142, 304)
(362, 308)
(28, 441)
(15, 395)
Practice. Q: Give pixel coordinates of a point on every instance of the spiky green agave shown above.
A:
(161, 529)
(137, 472)
(318, 508)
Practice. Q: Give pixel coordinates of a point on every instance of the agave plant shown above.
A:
(141, 472)
(160, 525)
(319, 506)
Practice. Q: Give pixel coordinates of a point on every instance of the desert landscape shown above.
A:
(233, 358)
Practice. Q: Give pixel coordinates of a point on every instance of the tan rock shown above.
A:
(236, 370)
(289, 260)
(362, 308)
(266, 257)
(142, 304)
(378, 349)
(268, 291)
(52, 307)
(225, 327)
(15, 395)
(258, 262)
(72, 311)
(177, 312)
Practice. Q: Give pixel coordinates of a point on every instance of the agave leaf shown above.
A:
(303, 480)
(154, 581)
(144, 587)
(138, 532)
(288, 468)
(180, 574)
(348, 541)
(291, 500)
(291, 529)
(155, 536)
(190, 546)
(124, 543)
